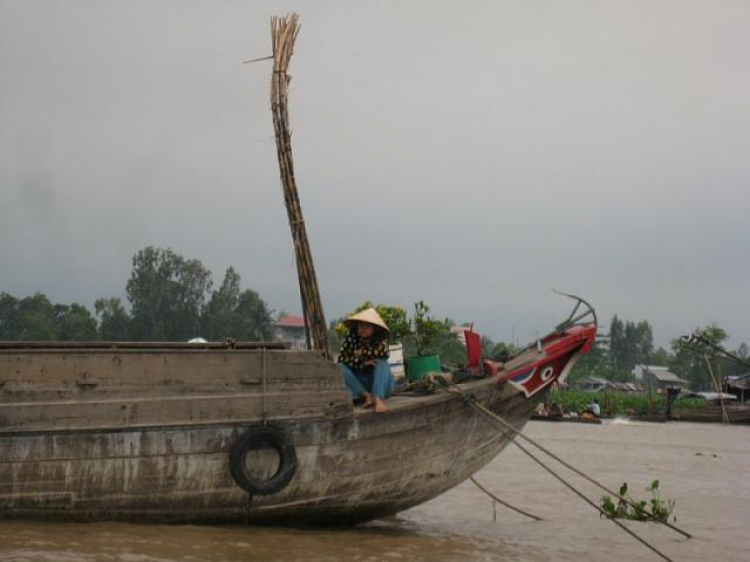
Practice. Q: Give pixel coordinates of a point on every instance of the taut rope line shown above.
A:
(471, 401)
(592, 504)
(567, 465)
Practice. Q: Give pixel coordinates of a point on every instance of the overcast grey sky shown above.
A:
(471, 154)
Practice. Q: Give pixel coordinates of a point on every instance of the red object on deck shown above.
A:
(473, 350)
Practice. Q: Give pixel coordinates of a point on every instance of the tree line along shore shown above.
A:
(173, 298)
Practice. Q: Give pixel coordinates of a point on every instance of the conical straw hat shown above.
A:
(369, 315)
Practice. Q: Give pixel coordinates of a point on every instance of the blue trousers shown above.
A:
(377, 380)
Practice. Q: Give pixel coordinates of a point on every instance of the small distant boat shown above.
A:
(713, 409)
(567, 419)
(718, 408)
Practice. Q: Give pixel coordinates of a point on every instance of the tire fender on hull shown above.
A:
(257, 438)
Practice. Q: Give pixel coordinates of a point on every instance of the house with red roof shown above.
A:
(292, 329)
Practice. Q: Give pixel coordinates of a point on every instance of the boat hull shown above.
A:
(349, 470)
(130, 434)
(736, 413)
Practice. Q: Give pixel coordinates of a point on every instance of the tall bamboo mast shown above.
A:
(284, 32)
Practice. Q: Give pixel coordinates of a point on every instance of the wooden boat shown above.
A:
(250, 432)
(653, 417)
(713, 412)
(567, 419)
(243, 433)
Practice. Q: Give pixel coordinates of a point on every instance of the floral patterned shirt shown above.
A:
(356, 350)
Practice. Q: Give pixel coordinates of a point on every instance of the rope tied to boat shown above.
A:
(591, 503)
(504, 503)
(428, 384)
(472, 401)
(264, 408)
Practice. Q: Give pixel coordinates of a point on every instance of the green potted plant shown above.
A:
(424, 335)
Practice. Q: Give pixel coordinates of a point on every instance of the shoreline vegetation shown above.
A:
(616, 404)
(174, 298)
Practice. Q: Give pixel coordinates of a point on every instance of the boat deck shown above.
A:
(410, 400)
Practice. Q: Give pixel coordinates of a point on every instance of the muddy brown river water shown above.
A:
(705, 468)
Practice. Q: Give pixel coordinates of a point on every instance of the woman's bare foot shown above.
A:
(369, 403)
(380, 406)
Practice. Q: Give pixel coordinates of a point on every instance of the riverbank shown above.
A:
(612, 403)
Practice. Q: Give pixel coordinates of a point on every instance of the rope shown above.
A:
(592, 504)
(501, 502)
(471, 401)
(428, 384)
(247, 504)
(567, 465)
(265, 370)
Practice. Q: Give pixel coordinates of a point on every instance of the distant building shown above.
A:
(593, 384)
(596, 384)
(291, 329)
(638, 372)
(625, 387)
(739, 386)
(660, 378)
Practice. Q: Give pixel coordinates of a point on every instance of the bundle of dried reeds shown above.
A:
(284, 32)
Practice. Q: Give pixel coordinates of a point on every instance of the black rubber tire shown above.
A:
(255, 438)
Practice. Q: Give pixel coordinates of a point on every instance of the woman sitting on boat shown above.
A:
(364, 359)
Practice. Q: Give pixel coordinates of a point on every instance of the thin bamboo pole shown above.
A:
(724, 415)
(284, 31)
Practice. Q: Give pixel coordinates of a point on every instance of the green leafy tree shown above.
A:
(617, 347)
(219, 319)
(643, 338)
(35, 319)
(114, 321)
(74, 323)
(9, 327)
(502, 350)
(432, 336)
(596, 363)
(167, 294)
(660, 357)
(238, 314)
(630, 344)
(728, 367)
(499, 351)
(689, 363)
(253, 320)
(427, 331)
(448, 346)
